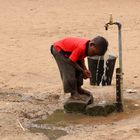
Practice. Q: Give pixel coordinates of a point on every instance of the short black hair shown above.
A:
(101, 43)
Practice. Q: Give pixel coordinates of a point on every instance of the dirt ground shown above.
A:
(30, 85)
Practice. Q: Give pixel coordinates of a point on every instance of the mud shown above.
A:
(44, 114)
(58, 124)
(51, 134)
(61, 118)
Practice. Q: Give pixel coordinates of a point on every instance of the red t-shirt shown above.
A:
(75, 46)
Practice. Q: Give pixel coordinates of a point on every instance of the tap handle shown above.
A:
(111, 19)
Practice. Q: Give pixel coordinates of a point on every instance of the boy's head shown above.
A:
(97, 46)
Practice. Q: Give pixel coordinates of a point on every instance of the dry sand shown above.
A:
(28, 28)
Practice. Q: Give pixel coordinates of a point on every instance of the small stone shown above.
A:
(135, 76)
(136, 104)
(131, 90)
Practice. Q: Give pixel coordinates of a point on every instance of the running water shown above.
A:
(104, 77)
(97, 71)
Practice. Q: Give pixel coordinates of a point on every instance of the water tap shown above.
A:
(111, 23)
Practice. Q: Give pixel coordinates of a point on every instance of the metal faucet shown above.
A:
(119, 71)
(112, 23)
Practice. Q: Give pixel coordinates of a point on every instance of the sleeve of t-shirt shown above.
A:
(75, 55)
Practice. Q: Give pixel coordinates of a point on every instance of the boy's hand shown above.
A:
(86, 74)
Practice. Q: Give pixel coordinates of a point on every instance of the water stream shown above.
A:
(104, 77)
(97, 71)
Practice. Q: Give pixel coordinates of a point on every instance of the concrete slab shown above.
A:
(100, 109)
(79, 106)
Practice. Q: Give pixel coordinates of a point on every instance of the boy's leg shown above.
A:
(67, 72)
(79, 77)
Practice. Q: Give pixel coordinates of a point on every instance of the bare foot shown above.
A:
(87, 93)
(77, 96)
(83, 91)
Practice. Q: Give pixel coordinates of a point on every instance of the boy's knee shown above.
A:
(70, 84)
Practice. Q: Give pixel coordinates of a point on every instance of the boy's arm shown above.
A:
(83, 69)
(83, 65)
(76, 65)
(87, 73)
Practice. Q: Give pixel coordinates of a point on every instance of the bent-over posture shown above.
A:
(69, 54)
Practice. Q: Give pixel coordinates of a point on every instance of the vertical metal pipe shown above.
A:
(119, 103)
(120, 64)
(120, 46)
(119, 71)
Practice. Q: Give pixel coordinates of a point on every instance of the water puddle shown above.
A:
(61, 119)
(51, 134)
(57, 124)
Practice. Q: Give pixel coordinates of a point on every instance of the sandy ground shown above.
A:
(29, 78)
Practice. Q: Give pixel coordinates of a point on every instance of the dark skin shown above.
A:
(92, 51)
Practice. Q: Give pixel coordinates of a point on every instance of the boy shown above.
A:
(69, 54)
